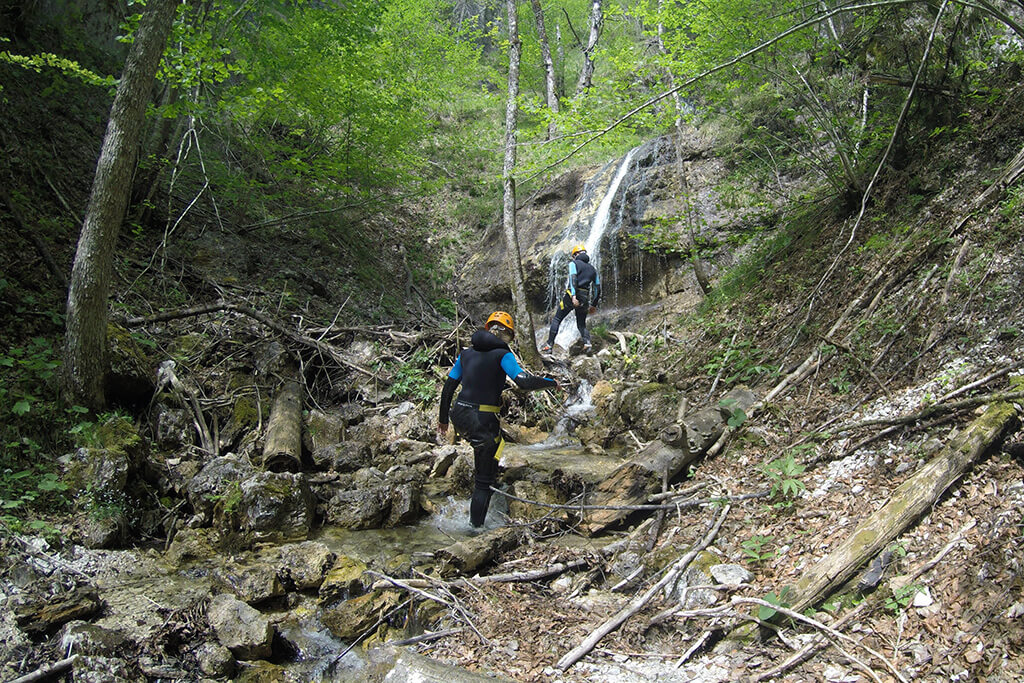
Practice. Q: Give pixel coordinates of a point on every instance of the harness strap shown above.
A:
(482, 407)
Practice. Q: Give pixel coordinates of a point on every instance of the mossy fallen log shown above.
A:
(908, 502)
(45, 615)
(282, 448)
(678, 446)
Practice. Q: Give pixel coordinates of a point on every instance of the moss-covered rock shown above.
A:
(344, 580)
(130, 378)
(355, 617)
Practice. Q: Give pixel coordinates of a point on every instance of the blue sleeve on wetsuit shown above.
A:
(510, 365)
(456, 371)
(572, 278)
(522, 378)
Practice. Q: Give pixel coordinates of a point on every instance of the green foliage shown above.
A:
(902, 597)
(740, 362)
(780, 600)
(47, 60)
(341, 97)
(758, 548)
(228, 502)
(736, 415)
(783, 473)
(411, 379)
(32, 424)
(26, 487)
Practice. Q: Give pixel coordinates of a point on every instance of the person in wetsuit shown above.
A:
(481, 369)
(582, 291)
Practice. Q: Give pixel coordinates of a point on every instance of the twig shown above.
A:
(981, 382)
(638, 603)
(533, 575)
(426, 637)
(666, 506)
(326, 349)
(860, 363)
(47, 671)
(693, 648)
(934, 409)
(827, 631)
(411, 589)
(721, 368)
(371, 629)
(809, 650)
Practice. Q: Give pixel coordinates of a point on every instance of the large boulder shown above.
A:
(649, 408)
(375, 500)
(356, 617)
(102, 475)
(306, 564)
(322, 429)
(345, 456)
(273, 507)
(344, 580)
(252, 583)
(213, 481)
(107, 479)
(240, 628)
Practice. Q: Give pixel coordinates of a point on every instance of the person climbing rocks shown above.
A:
(582, 294)
(482, 368)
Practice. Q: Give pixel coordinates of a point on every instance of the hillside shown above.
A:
(877, 343)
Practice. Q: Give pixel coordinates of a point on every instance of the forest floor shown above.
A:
(962, 618)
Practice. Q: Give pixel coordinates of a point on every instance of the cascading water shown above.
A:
(591, 232)
(577, 406)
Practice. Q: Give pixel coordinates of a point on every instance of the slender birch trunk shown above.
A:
(85, 339)
(549, 67)
(524, 324)
(587, 70)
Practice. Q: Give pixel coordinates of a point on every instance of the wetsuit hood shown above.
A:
(482, 340)
(583, 257)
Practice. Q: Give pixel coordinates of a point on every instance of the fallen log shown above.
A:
(282, 448)
(45, 615)
(678, 446)
(908, 502)
(468, 555)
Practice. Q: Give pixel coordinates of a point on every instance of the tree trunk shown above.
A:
(85, 340)
(560, 51)
(698, 265)
(514, 261)
(908, 502)
(587, 70)
(159, 153)
(549, 67)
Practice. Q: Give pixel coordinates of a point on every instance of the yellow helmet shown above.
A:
(503, 319)
(577, 248)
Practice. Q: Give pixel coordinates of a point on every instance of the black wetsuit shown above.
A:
(482, 369)
(585, 284)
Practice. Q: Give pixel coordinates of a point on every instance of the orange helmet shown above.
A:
(503, 319)
(577, 248)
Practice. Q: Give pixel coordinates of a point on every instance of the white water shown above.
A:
(568, 332)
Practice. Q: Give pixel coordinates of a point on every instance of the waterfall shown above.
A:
(578, 408)
(591, 234)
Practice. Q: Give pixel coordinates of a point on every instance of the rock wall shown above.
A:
(654, 196)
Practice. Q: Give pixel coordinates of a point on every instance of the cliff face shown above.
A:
(647, 205)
